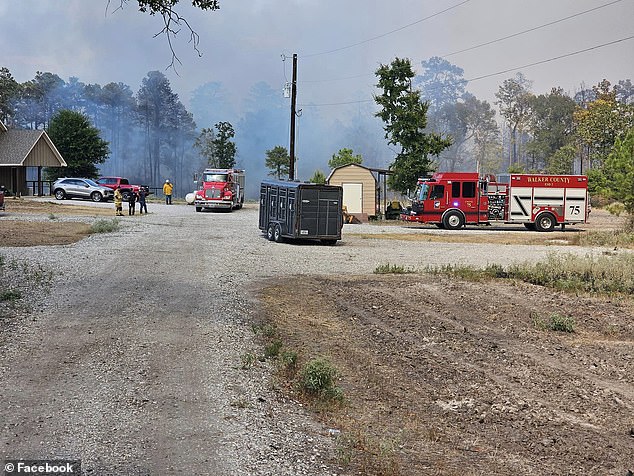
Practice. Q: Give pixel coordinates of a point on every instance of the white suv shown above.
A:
(81, 188)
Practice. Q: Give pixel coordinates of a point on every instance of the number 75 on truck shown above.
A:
(452, 200)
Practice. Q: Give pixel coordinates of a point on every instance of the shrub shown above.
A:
(391, 269)
(556, 322)
(289, 359)
(10, 295)
(273, 349)
(105, 226)
(318, 377)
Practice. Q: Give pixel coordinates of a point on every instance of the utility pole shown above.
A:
(291, 168)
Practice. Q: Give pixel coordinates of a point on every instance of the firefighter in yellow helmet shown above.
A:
(168, 188)
(118, 202)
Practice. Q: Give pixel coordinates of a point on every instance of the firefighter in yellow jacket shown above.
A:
(168, 188)
(118, 202)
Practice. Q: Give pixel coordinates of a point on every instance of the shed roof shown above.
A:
(16, 147)
(350, 166)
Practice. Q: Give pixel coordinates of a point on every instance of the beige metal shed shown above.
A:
(359, 189)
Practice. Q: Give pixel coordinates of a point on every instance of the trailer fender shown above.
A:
(453, 219)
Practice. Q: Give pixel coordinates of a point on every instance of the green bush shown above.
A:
(556, 322)
(10, 295)
(391, 269)
(317, 378)
(273, 349)
(105, 226)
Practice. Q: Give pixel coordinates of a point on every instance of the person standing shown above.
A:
(168, 188)
(142, 204)
(118, 202)
(131, 202)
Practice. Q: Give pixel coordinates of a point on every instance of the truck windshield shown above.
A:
(421, 191)
(214, 177)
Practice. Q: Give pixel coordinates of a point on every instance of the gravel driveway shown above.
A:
(134, 366)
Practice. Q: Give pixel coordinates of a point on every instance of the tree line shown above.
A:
(152, 135)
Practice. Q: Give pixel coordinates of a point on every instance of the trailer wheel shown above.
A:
(545, 222)
(453, 220)
(269, 231)
(277, 234)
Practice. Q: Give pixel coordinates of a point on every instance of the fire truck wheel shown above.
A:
(545, 222)
(453, 220)
(277, 234)
(270, 232)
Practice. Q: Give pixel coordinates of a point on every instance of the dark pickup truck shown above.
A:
(126, 187)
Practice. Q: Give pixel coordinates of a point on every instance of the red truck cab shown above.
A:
(220, 189)
(123, 183)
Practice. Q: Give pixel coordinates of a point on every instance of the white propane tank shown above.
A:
(189, 198)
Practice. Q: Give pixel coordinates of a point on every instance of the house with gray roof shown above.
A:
(25, 153)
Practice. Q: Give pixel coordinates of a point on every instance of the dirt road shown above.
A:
(137, 363)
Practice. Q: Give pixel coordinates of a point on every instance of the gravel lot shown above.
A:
(134, 365)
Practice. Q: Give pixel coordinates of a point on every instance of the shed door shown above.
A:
(353, 197)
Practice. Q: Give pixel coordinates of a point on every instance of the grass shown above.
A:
(248, 360)
(10, 296)
(604, 274)
(555, 322)
(392, 269)
(317, 379)
(20, 282)
(615, 238)
(369, 455)
(105, 226)
(273, 349)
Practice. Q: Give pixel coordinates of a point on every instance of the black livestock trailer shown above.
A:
(301, 211)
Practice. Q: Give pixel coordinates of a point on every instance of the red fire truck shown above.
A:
(453, 199)
(220, 188)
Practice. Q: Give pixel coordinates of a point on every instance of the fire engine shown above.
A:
(540, 202)
(220, 188)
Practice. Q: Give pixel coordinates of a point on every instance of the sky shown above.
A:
(339, 44)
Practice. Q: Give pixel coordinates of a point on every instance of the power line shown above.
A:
(554, 58)
(530, 29)
(385, 34)
(337, 103)
(551, 59)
